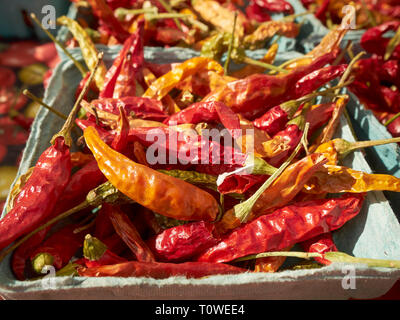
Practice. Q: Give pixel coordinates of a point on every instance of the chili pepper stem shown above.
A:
(230, 48)
(93, 248)
(393, 43)
(297, 15)
(122, 12)
(41, 260)
(169, 10)
(79, 207)
(80, 67)
(66, 129)
(333, 256)
(30, 95)
(243, 210)
(392, 119)
(159, 16)
(344, 147)
(264, 65)
(349, 68)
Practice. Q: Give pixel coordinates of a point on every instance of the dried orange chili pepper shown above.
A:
(163, 194)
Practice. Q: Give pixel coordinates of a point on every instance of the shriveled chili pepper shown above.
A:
(165, 195)
(10, 134)
(128, 233)
(374, 42)
(285, 227)
(120, 79)
(97, 254)
(256, 13)
(239, 183)
(267, 30)
(58, 249)
(320, 244)
(336, 179)
(10, 98)
(7, 77)
(180, 243)
(107, 20)
(256, 94)
(159, 270)
(206, 112)
(275, 5)
(143, 108)
(163, 85)
(281, 192)
(120, 141)
(40, 194)
(89, 51)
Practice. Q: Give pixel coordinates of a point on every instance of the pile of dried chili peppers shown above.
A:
(189, 169)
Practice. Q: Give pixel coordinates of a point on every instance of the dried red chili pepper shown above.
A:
(206, 112)
(373, 41)
(121, 78)
(256, 13)
(97, 254)
(10, 98)
(39, 196)
(128, 233)
(240, 183)
(284, 227)
(275, 5)
(183, 242)
(158, 270)
(143, 108)
(79, 159)
(320, 244)
(108, 21)
(10, 134)
(58, 249)
(21, 120)
(19, 54)
(120, 141)
(256, 94)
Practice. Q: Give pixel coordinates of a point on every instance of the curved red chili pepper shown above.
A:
(240, 183)
(285, 227)
(275, 5)
(40, 194)
(183, 242)
(256, 13)
(320, 244)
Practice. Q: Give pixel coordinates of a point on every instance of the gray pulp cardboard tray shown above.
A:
(374, 233)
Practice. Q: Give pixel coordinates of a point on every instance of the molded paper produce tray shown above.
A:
(374, 233)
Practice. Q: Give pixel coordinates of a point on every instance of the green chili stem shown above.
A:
(80, 67)
(122, 12)
(264, 65)
(242, 210)
(169, 10)
(296, 15)
(303, 255)
(66, 129)
(230, 48)
(392, 119)
(30, 95)
(393, 43)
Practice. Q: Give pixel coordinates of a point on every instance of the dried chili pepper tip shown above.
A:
(41, 260)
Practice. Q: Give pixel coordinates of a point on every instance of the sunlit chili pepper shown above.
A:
(336, 179)
(58, 249)
(107, 20)
(158, 270)
(40, 194)
(163, 85)
(281, 192)
(275, 5)
(129, 234)
(374, 42)
(89, 51)
(256, 94)
(256, 13)
(143, 108)
(79, 159)
(165, 195)
(120, 141)
(120, 79)
(267, 30)
(285, 227)
(97, 254)
(321, 244)
(206, 112)
(183, 242)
